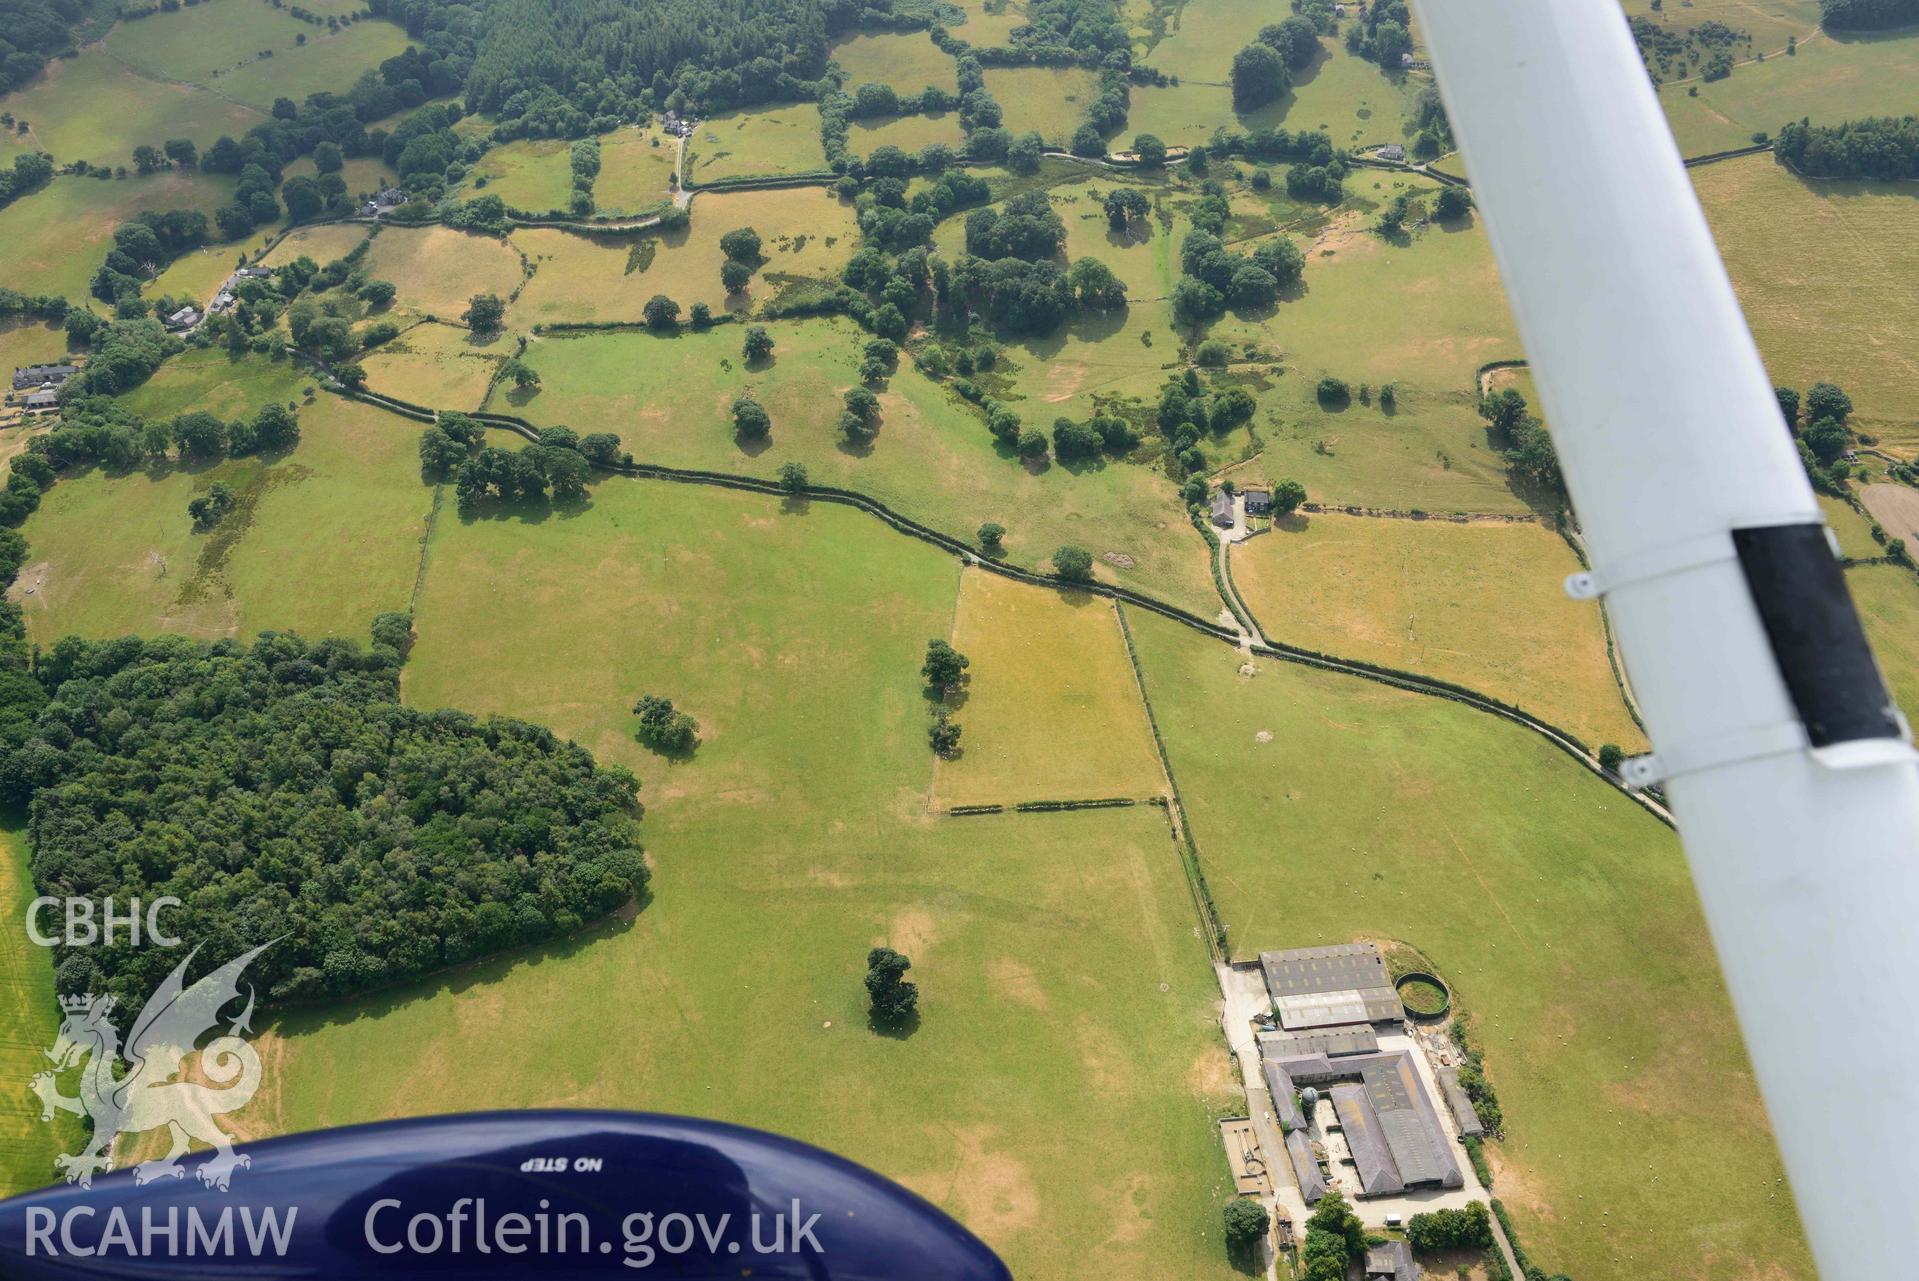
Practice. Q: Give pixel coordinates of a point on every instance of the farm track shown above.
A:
(1231, 636)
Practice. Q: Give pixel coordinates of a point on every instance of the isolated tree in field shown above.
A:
(734, 275)
(660, 312)
(522, 374)
(208, 509)
(664, 730)
(893, 999)
(1095, 287)
(793, 477)
(758, 344)
(699, 315)
(1247, 1223)
(750, 419)
(146, 159)
(1151, 151)
(1123, 205)
(377, 293)
(1333, 392)
(944, 667)
(991, 537)
(1611, 756)
(742, 245)
(1259, 76)
(1073, 563)
(484, 313)
(1287, 496)
(275, 428)
(1451, 203)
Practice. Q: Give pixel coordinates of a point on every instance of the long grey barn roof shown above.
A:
(1280, 1086)
(1465, 1115)
(1366, 1140)
(1317, 986)
(1312, 1184)
(1333, 1041)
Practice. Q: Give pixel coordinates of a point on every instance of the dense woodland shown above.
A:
(1867, 15)
(1881, 147)
(281, 791)
(31, 31)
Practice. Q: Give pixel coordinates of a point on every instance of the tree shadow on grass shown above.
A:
(894, 1029)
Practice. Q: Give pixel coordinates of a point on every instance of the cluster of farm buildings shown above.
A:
(36, 388)
(1360, 1103)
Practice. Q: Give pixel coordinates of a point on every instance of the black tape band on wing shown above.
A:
(1816, 634)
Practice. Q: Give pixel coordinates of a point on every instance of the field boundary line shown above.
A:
(1565, 740)
(426, 544)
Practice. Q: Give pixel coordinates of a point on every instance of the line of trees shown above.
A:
(1867, 15)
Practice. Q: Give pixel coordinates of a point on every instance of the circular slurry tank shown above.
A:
(1426, 998)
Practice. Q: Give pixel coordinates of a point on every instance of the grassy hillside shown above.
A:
(31, 1020)
(57, 237)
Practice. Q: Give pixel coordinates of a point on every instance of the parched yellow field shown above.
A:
(323, 243)
(1481, 604)
(1854, 530)
(1888, 601)
(441, 366)
(1049, 101)
(1824, 271)
(1051, 710)
(805, 233)
(909, 62)
(322, 540)
(56, 238)
(636, 170)
(751, 144)
(437, 270)
(908, 133)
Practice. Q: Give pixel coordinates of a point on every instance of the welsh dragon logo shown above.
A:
(147, 1095)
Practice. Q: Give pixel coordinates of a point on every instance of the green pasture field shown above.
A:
(1425, 311)
(94, 108)
(806, 233)
(1142, 255)
(1056, 1034)
(326, 62)
(197, 274)
(1831, 79)
(323, 243)
(1480, 604)
(1888, 601)
(57, 237)
(1824, 271)
(363, 175)
(1432, 454)
(29, 342)
(908, 61)
(437, 270)
(669, 400)
(751, 144)
(323, 539)
(634, 173)
(32, 1021)
(989, 22)
(1854, 530)
(442, 366)
(1560, 913)
(1769, 21)
(1049, 101)
(1352, 99)
(908, 133)
(1050, 710)
(211, 380)
(203, 42)
(534, 174)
